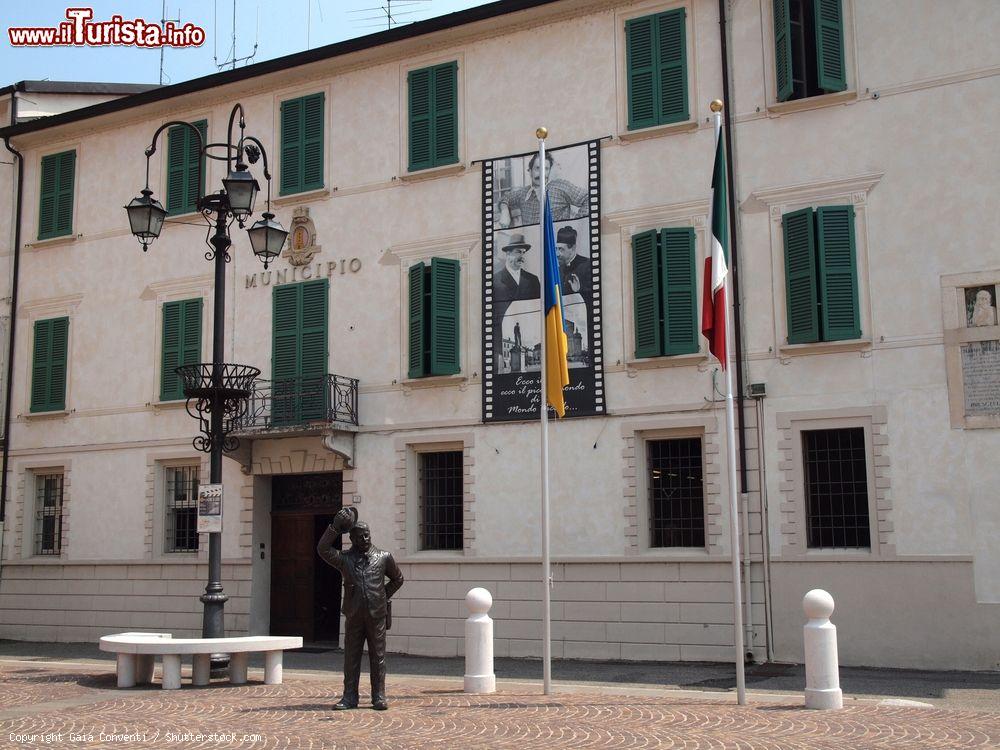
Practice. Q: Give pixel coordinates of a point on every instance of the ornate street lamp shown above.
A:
(217, 392)
(145, 217)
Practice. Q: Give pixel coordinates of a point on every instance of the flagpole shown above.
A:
(541, 134)
(734, 531)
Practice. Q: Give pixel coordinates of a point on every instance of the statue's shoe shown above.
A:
(343, 705)
(380, 705)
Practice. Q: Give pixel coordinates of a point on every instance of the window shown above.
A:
(55, 208)
(48, 514)
(656, 69)
(48, 365)
(664, 294)
(181, 344)
(808, 48)
(299, 353)
(441, 500)
(181, 507)
(302, 122)
(821, 275)
(185, 168)
(836, 484)
(433, 116)
(433, 326)
(676, 493)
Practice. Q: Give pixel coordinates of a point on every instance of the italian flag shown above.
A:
(713, 307)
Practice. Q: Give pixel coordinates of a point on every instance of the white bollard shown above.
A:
(820, 637)
(479, 677)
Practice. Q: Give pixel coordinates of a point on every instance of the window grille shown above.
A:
(441, 498)
(676, 493)
(48, 514)
(181, 504)
(836, 488)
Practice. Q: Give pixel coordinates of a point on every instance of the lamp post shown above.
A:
(217, 392)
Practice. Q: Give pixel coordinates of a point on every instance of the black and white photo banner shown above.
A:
(512, 268)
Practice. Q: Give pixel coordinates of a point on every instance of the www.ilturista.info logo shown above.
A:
(80, 31)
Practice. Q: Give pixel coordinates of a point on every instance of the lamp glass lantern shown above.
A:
(145, 217)
(241, 188)
(267, 237)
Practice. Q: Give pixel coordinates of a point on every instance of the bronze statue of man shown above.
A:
(366, 600)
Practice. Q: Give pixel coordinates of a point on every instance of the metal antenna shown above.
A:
(387, 14)
(163, 22)
(231, 62)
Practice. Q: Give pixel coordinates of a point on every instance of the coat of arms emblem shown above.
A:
(301, 245)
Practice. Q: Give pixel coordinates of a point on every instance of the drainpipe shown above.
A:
(737, 306)
(13, 313)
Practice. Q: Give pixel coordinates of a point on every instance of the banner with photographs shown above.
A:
(512, 269)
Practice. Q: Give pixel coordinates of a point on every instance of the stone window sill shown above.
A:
(825, 347)
(52, 242)
(812, 102)
(304, 196)
(433, 381)
(675, 360)
(655, 131)
(432, 172)
(60, 413)
(173, 404)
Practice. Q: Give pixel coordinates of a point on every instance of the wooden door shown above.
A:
(293, 566)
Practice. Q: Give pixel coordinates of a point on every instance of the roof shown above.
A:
(77, 87)
(338, 49)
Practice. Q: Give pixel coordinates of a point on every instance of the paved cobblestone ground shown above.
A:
(44, 706)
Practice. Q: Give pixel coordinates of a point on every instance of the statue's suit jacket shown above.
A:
(365, 589)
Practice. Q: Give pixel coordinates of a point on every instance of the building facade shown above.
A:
(867, 273)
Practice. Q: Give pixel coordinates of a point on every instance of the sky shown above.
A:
(279, 27)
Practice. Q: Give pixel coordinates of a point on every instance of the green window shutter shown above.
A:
(185, 168)
(48, 365)
(680, 311)
(418, 340)
(64, 199)
(299, 352)
(312, 141)
(646, 295)
(170, 353)
(419, 84)
(782, 49)
(444, 317)
(313, 350)
(828, 20)
(302, 129)
(641, 71)
(191, 332)
(445, 114)
(291, 145)
(284, 354)
(181, 344)
(40, 366)
(55, 209)
(838, 274)
(800, 276)
(672, 67)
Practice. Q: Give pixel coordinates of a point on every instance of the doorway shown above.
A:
(305, 591)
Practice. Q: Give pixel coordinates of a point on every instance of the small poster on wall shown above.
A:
(512, 261)
(210, 508)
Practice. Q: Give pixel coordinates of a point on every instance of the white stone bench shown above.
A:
(136, 651)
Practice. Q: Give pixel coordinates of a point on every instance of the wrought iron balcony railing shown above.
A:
(300, 402)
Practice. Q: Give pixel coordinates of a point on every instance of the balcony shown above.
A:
(300, 406)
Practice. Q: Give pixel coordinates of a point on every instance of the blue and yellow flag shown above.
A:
(556, 346)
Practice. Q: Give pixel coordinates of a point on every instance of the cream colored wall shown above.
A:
(927, 215)
(923, 219)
